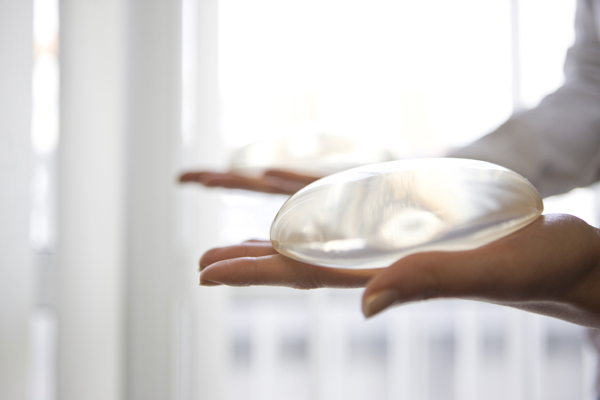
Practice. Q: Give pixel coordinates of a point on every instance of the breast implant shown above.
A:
(317, 154)
(371, 216)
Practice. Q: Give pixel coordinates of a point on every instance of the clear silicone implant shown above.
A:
(371, 216)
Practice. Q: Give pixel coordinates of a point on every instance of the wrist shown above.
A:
(584, 298)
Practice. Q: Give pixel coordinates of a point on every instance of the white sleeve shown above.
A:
(557, 144)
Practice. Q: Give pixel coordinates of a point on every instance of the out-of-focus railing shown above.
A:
(317, 346)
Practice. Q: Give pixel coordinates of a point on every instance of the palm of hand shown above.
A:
(550, 267)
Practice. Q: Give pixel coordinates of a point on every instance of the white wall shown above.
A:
(91, 201)
(201, 208)
(131, 322)
(153, 254)
(16, 283)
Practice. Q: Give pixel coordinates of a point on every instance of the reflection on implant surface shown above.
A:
(371, 216)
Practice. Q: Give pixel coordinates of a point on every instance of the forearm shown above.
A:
(557, 144)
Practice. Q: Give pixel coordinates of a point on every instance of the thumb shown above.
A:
(431, 275)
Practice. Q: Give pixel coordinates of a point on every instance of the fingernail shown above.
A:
(204, 282)
(378, 302)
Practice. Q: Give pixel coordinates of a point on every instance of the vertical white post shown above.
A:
(408, 366)
(337, 350)
(525, 356)
(591, 352)
(202, 144)
(515, 359)
(326, 347)
(43, 355)
(515, 44)
(590, 361)
(401, 360)
(535, 336)
(91, 177)
(422, 343)
(264, 343)
(468, 347)
(16, 280)
(154, 253)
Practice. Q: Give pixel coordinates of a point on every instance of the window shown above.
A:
(420, 78)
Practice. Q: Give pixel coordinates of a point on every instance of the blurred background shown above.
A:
(104, 102)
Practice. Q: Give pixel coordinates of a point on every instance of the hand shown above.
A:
(272, 181)
(550, 267)
(255, 262)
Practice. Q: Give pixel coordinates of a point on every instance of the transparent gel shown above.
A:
(371, 216)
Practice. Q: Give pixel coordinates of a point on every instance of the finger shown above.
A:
(247, 249)
(226, 180)
(277, 270)
(291, 176)
(262, 184)
(465, 274)
(530, 264)
(195, 176)
(235, 181)
(229, 180)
